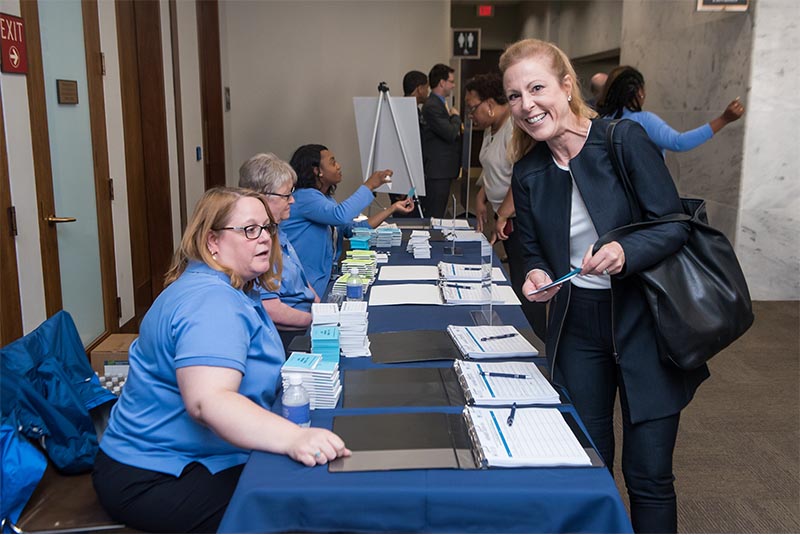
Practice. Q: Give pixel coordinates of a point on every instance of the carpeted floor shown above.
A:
(737, 461)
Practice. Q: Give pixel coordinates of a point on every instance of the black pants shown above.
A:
(437, 194)
(586, 367)
(535, 313)
(151, 501)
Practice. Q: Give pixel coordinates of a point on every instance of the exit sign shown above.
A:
(485, 10)
(12, 44)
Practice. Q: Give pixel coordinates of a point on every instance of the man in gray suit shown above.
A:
(441, 141)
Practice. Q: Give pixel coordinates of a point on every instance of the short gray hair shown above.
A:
(266, 173)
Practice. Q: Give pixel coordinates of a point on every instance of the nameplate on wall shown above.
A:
(67, 91)
(722, 5)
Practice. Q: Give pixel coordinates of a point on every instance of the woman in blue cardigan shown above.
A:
(318, 223)
(623, 98)
(601, 338)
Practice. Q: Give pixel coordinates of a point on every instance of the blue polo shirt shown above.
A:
(294, 290)
(198, 320)
(310, 229)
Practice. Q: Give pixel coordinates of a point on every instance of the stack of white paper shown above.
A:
(419, 244)
(471, 293)
(324, 314)
(490, 341)
(445, 224)
(320, 378)
(467, 272)
(353, 326)
(388, 236)
(504, 383)
(464, 235)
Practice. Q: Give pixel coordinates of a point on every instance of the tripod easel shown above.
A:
(383, 96)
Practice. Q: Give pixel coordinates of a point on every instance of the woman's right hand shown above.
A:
(481, 210)
(314, 445)
(536, 279)
(379, 178)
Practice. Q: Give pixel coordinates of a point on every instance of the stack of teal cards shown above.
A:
(325, 342)
(320, 378)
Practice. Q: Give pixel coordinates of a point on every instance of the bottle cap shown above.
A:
(295, 379)
(353, 271)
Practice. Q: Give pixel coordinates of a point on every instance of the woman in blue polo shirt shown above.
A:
(203, 376)
(317, 222)
(289, 306)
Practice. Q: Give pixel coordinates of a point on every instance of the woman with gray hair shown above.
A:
(289, 307)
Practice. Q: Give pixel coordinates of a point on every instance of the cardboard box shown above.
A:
(110, 357)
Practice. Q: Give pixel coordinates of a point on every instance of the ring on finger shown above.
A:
(318, 455)
(605, 272)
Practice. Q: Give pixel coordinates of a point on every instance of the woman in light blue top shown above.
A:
(289, 306)
(623, 97)
(318, 223)
(203, 377)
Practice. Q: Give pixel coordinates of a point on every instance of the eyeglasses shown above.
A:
(253, 232)
(281, 195)
(472, 109)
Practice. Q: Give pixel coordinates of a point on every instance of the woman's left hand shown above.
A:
(404, 206)
(609, 260)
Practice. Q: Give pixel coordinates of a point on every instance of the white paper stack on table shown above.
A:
(539, 436)
(467, 272)
(340, 284)
(325, 341)
(320, 378)
(473, 293)
(419, 244)
(504, 383)
(353, 326)
(324, 314)
(439, 294)
(366, 267)
(491, 341)
(447, 224)
(463, 235)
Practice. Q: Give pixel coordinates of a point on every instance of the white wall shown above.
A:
(293, 69)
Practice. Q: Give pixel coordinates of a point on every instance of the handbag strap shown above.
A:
(622, 173)
(636, 212)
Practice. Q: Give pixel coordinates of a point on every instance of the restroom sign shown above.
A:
(14, 57)
(467, 43)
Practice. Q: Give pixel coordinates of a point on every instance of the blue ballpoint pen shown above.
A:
(510, 420)
(498, 337)
(506, 375)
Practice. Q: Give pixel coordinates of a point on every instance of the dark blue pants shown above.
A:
(585, 366)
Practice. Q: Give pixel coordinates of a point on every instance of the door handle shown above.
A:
(54, 219)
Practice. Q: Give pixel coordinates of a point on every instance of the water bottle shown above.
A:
(296, 402)
(355, 291)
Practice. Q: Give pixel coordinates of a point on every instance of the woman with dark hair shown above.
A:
(623, 97)
(317, 222)
(486, 104)
(601, 339)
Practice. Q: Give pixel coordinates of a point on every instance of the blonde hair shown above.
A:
(561, 67)
(213, 211)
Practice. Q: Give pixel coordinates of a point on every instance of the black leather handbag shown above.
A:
(698, 296)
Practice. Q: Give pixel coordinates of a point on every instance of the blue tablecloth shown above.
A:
(276, 494)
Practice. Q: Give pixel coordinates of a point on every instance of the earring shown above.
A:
(491, 112)
(569, 98)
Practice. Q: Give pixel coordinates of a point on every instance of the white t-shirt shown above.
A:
(497, 168)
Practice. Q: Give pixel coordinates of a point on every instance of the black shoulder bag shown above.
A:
(698, 296)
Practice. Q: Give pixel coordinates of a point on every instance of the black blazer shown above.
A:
(441, 140)
(542, 198)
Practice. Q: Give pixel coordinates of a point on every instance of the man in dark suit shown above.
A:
(415, 84)
(441, 141)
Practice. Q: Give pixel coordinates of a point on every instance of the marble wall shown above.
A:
(768, 232)
(694, 63)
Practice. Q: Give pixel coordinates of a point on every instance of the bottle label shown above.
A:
(300, 414)
(355, 291)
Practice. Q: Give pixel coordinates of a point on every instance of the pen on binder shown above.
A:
(507, 375)
(498, 337)
(510, 420)
(462, 286)
(472, 269)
